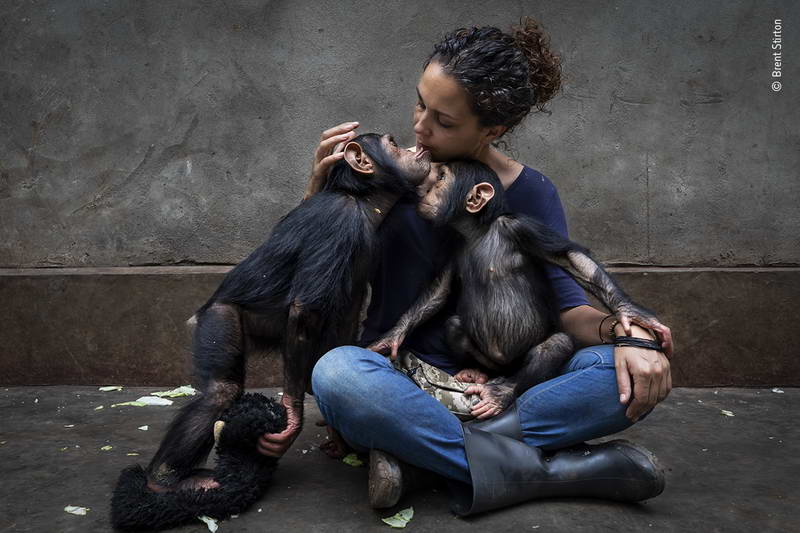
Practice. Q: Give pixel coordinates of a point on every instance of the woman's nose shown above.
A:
(420, 123)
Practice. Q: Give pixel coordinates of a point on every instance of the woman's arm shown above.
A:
(647, 370)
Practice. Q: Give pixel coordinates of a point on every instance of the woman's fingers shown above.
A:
(339, 129)
(326, 147)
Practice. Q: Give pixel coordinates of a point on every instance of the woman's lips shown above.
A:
(422, 149)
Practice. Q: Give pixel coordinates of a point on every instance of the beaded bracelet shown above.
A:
(610, 330)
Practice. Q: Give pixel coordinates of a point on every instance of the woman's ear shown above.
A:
(479, 196)
(358, 159)
(492, 133)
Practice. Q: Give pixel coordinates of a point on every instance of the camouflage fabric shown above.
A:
(438, 384)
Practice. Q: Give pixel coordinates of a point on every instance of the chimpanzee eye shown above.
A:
(441, 175)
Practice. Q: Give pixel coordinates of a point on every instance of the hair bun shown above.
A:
(544, 67)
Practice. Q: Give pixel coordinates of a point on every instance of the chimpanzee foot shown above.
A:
(335, 447)
(201, 479)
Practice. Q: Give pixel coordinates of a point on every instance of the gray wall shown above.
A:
(160, 133)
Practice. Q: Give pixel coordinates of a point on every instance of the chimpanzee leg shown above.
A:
(462, 346)
(458, 340)
(543, 361)
(219, 367)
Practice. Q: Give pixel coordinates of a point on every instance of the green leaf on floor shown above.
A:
(106, 448)
(210, 522)
(401, 519)
(110, 388)
(74, 509)
(352, 460)
(727, 413)
(152, 400)
(183, 390)
(133, 404)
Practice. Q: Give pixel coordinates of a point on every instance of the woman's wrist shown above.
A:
(636, 331)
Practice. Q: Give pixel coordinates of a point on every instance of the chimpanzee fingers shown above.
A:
(473, 389)
(665, 336)
(486, 409)
(626, 324)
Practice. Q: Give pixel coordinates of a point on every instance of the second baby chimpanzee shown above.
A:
(301, 292)
(506, 320)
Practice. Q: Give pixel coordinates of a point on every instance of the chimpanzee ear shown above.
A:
(358, 159)
(479, 196)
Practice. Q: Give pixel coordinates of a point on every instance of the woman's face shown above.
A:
(444, 124)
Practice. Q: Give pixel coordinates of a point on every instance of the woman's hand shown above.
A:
(389, 344)
(649, 371)
(471, 375)
(329, 151)
(630, 313)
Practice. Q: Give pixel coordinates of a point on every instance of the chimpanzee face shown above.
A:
(433, 203)
(415, 166)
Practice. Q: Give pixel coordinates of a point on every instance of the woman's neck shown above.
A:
(506, 168)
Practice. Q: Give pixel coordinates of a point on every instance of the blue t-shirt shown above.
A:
(413, 253)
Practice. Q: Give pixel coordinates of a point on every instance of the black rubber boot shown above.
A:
(506, 423)
(505, 471)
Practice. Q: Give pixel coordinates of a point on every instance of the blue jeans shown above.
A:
(372, 405)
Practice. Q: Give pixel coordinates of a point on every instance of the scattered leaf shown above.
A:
(110, 388)
(184, 390)
(65, 448)
(69, 425)
(210, 522)
(352, 460)
(98, 407)
(143, 428)
(401, 519)
(74, 509)
(106, 448)
(152, 400)
(776, 390)
(36, 400)
(133, 404)
(726, 413)
(132, 454)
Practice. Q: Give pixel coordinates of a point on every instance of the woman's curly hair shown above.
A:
(505, 74)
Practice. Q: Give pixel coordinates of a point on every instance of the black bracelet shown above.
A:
(637, 342)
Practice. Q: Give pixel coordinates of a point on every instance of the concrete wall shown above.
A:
(148, 133)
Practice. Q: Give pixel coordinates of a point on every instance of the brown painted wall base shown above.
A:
(127, 325)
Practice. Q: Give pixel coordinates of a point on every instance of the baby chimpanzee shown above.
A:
(300, 292)
(506, 317)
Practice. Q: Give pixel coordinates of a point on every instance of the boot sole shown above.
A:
(385, 480)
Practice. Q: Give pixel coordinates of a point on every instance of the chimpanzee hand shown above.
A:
(495, 398)
(389, 344)
(471, 375)
(276, 444)
(629, 312)
(328, 153)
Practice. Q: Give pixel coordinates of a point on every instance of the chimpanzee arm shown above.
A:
(540, 241)
(424, 308)
(299, 353)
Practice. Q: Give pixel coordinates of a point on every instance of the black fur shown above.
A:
(300, 292)
(242, 472)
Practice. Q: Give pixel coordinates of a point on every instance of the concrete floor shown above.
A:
(725, 473)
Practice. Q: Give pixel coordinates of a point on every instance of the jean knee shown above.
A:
(341, 369)
(600, 355)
